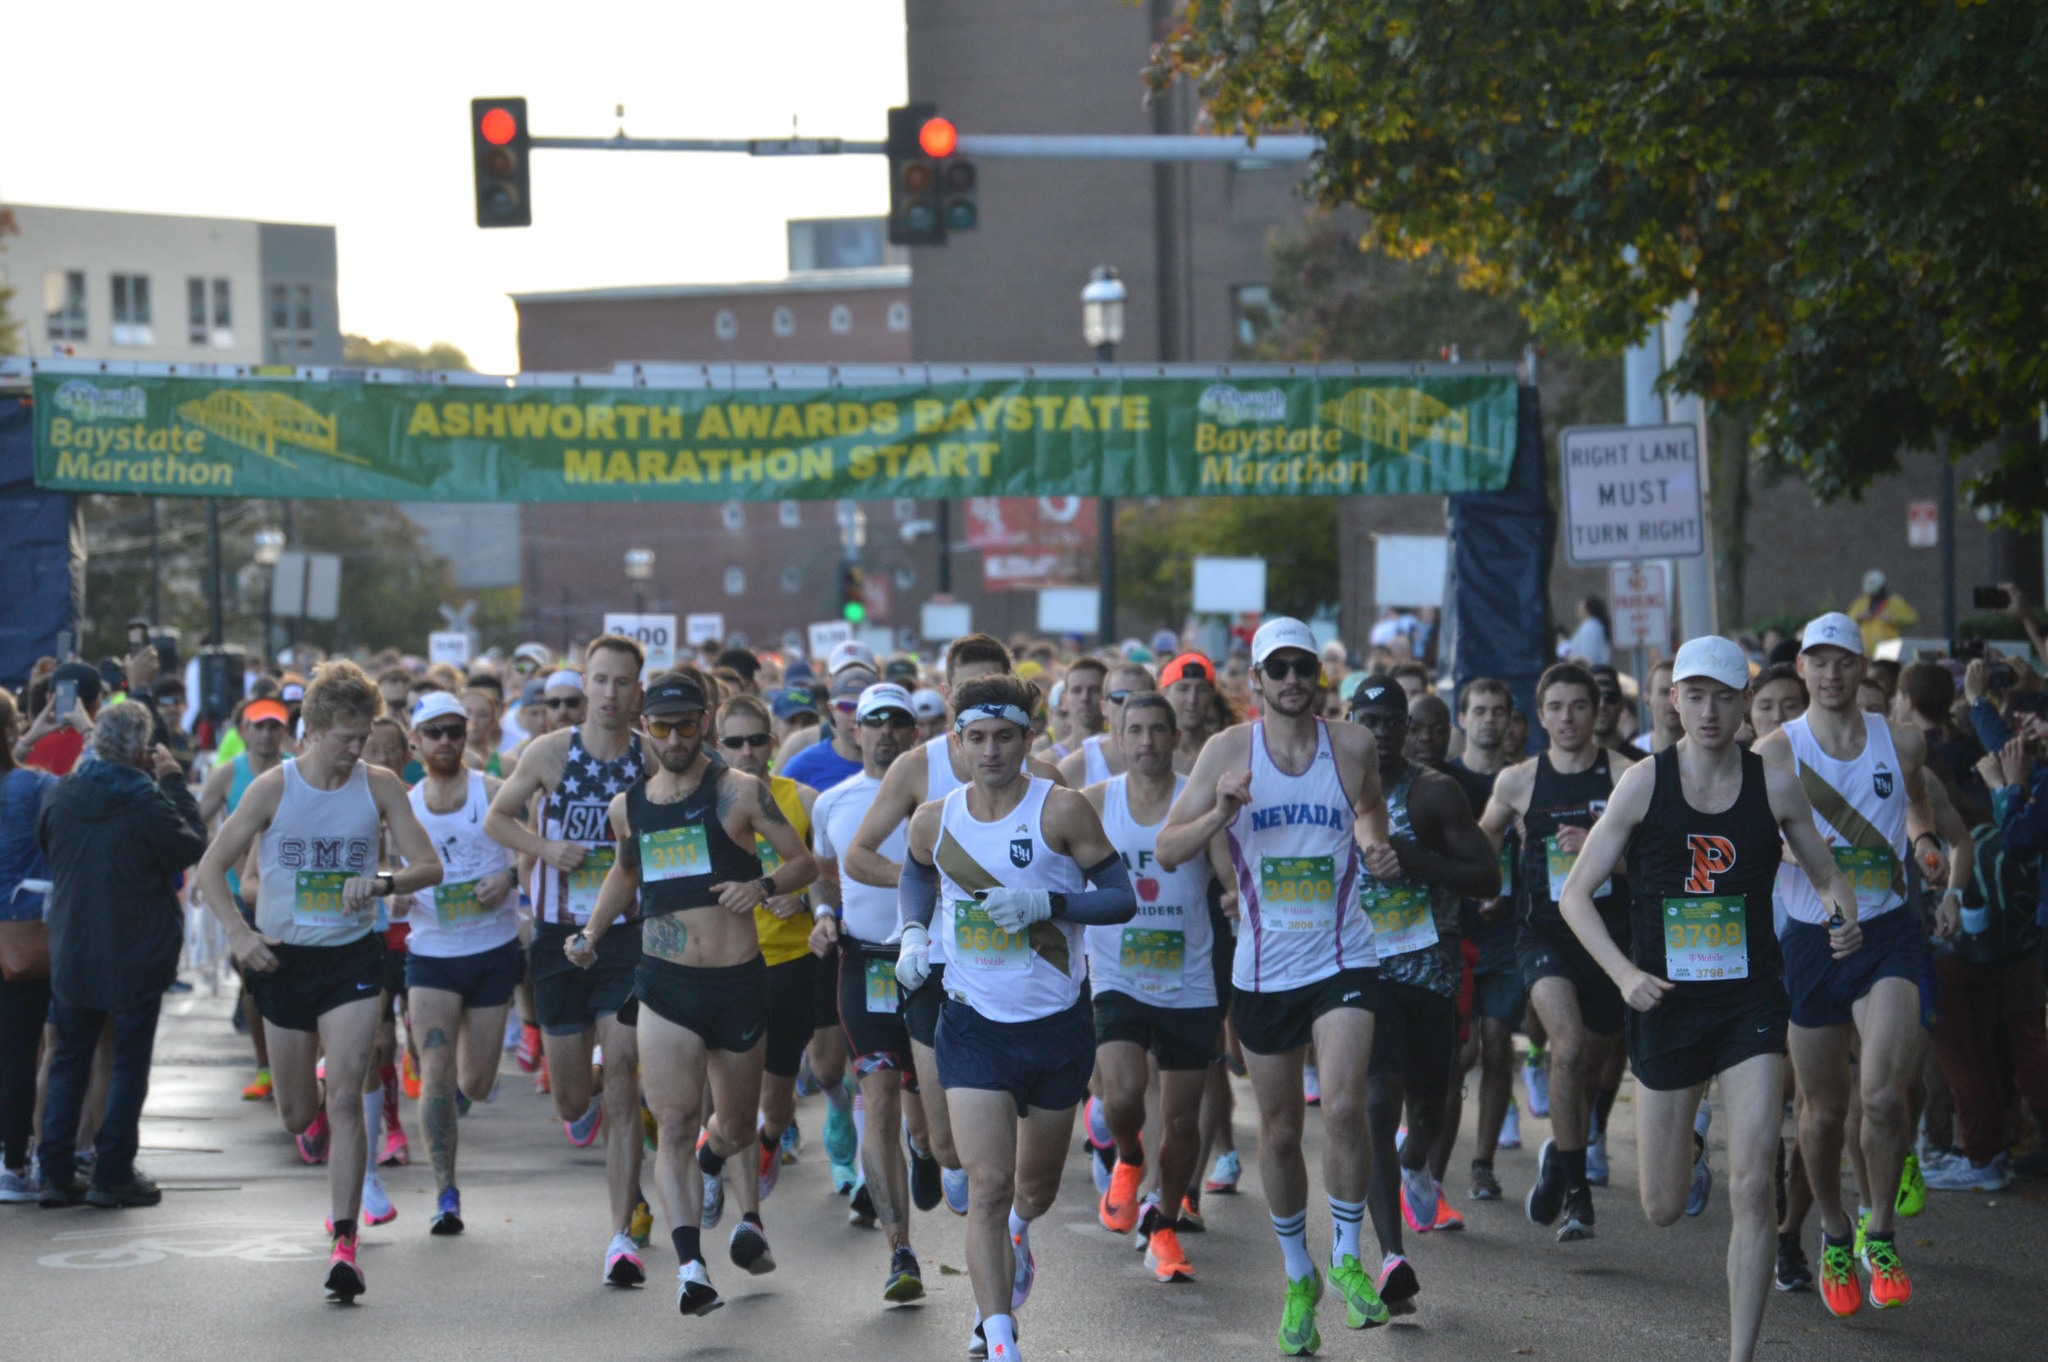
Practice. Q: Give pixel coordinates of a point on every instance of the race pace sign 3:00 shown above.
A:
(1108, 436)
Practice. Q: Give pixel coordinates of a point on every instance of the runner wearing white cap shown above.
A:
(930, 707)
(1297, 802)
(1865, 777)
(850, 654)
(1701, 827)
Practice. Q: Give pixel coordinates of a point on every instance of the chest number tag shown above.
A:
(1869, 872)
(1705, 939)
(456, 907)
(1401, 918)
(1560, 863)
(586, 879)
(674, 854)
(316, 900)
(1152, 959)
(1298, 893)
(979, 944)
(880, 974)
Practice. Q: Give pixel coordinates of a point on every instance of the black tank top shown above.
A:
(1695, 875)
(1558, 800)
(684, 849)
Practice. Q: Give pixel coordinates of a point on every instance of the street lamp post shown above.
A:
(1102, 326)
(639, 571)
(269, 548)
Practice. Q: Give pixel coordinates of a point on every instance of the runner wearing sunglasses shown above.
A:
(824, 764)
(1099, 756)
(564, 700)
(1297, 802)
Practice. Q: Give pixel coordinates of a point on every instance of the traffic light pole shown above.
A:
(1277, 150)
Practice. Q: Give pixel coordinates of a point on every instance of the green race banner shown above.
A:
(1111, 436)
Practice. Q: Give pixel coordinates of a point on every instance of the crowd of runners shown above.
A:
(963, 902)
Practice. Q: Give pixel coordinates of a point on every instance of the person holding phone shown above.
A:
(57, 738)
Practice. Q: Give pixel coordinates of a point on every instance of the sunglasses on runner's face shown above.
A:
(735, 743)
(1117, 697)
(894, 718)
(845, 706)
(444, 733)
(1277, 668)
(565, 702)
(690, 727)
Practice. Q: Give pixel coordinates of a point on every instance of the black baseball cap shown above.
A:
(672, 697)
(82, 675)
(1378, 692)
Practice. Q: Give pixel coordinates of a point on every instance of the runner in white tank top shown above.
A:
(1873, 784)
(452, 921)
(1015, 1045)
(316, 841)
(1171, 901)
(1297, 802)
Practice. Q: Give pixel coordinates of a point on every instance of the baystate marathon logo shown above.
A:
(83, 401)
(1226, 406)
(1881, 781)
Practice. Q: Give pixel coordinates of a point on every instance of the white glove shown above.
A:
(914, 961)
(1015, 909)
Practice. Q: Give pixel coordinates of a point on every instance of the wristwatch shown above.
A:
(767, 883)
(386, 885)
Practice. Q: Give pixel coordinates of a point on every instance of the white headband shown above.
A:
(573, 680)
(1006, 712)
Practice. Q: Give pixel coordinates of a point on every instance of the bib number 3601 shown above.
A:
(979, 944)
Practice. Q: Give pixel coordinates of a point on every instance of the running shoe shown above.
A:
(954, 1183)
(1118, 1208)
(1958, 1175)
(640, 1225)
(1536, 1078)
(1596, 1160)
(845, 1177)
(1890, 1287)
(462, 1103)
(1190, 1218)
(977, 1342)
(1398, 1286)
(1793, 1272)
(1840, 1290)
(749, 1247)
(1862, 1228)
(409, 1076)
(313, 1140)
(1163, 1255)
(925, 1191)
(1298, 1333)
(1702, 1183)
(260, 1089)
(1485, 1186)
(1546, 1195)
(1151, 1219)
(377, 1207)
(1363, 1307)
(792, 1142)
(1446, 1217)
(842, 1139)
(19, 1186)
(528, 1052)
(650, 1128)
(906, 1282)
(1578, 1216)
(584, 1128)
(1912, 1198)
(1418, 1199)
(860, 1209)
(447, 1214)
(1510, 1128)
(1311, 1086)
(694, 1292)
(714, 1200)
(770, 1168)
(397, 1151)
(1026, 1274)
(1095, 1133)
(1223, 1177)
(622, 1265)
(136, 1191)
(345, 1281)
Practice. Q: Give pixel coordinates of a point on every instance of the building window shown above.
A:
(841, 319)
(64, 305)
(1251, 308)
(785, 322)
(790, 514)
(735, 581)
(131, 310)
(792, 580)
(899, 316)
(209, 312)
(302, 312)
(735, 516)
(195, 311)
(725, 326)
(280, 309)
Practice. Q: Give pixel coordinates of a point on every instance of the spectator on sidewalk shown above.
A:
(54, 741)
(1880, 613)
(116, 842)
(24, 1002)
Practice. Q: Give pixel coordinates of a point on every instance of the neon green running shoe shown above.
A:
(1912, 1188)
(1363, 1307)
(1862, 1225)
(1298, 1335)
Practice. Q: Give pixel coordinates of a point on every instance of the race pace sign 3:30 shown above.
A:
(1111, 436)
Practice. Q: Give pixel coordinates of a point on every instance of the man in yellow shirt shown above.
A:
(1880, 613)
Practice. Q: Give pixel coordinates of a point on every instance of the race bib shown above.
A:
(1507, 870)
(316, 900)
(979, 944)
(674, 854)
(1869, 871)
(1705, 939)
(767, 854)
(1561, 863)
(586, 879)
(1401, 918)
(1297, 893)
(456, 907)
(1151, 959)
(882, 993)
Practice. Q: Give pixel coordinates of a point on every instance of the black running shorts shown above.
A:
(568, 1001)
(1684, 1041)
(312, 980)
(1274, 1023)
(1181, 1037)
(872, 1010)
(727, 1005)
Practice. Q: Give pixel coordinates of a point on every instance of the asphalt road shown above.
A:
(230, 1265)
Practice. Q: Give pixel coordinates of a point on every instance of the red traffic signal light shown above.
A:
(938, 137)
(498, 125)
(499, 147)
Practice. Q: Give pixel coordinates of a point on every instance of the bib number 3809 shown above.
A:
(1297, 893)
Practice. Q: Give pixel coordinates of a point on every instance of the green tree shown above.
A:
(391, 354)
(1852, 189)
(1158, 541)
(10, 326)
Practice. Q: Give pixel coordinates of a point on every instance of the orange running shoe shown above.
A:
(1890, 1287)
(1119, 1208)
(258, 1091)
(1446, 1218)
(409, 1076)
(1164, 1257)
(1839, 1289)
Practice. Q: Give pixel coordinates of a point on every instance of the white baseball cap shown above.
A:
(850, 654)
(437, 704)
(1832, 630)
(1715, 658)
(885, 695)
(929, 704)
(1282, 632)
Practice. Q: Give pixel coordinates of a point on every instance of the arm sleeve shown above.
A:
(917, 892)
(1110, 901)
(1990, 726)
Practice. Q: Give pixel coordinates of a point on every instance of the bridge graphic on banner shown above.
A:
(260, 421)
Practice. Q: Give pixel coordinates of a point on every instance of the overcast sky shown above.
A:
(357, 115)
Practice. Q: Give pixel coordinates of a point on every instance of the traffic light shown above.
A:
(853, 600)
(931, 189)
(957, 177)
(498, 135)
